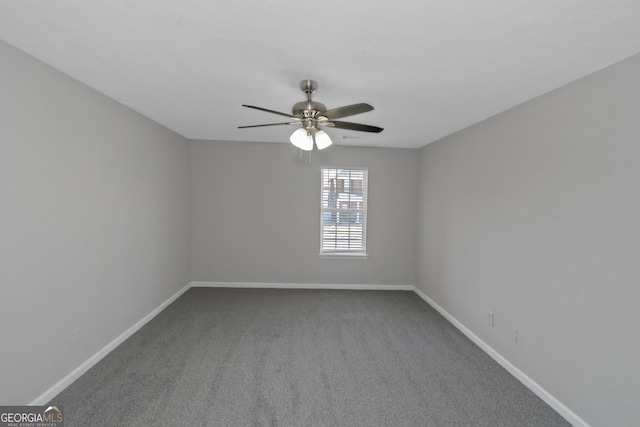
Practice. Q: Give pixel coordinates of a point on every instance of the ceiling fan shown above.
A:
(312, 115)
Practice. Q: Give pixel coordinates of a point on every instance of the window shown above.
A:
(344, 212)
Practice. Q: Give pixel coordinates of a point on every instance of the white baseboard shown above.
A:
(301, 286)
(547, 397)
(76, 373)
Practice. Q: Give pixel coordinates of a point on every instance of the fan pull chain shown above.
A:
(301, 151)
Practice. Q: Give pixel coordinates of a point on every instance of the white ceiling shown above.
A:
(429, 67)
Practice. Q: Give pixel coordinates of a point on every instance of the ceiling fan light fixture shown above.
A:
(302, 139)
(322, 140)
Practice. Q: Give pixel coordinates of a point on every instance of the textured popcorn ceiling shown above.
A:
(429, 67)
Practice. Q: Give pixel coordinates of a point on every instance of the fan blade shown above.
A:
(270, 111)
(269, 124)
(347, 110)
(353, 126)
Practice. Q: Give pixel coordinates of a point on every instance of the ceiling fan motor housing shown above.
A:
(308, 109)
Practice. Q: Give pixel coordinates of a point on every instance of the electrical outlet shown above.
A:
(514, 334)
(490, 318)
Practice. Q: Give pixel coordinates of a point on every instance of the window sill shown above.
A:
(344, 255)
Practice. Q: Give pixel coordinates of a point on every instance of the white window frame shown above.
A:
(360, 211)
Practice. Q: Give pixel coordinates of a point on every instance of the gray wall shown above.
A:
(535, 215)
(256, 214)
(94, 222)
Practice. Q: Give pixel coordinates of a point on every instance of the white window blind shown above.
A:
(344, 212)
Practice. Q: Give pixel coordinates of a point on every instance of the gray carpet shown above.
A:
(276, 357)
